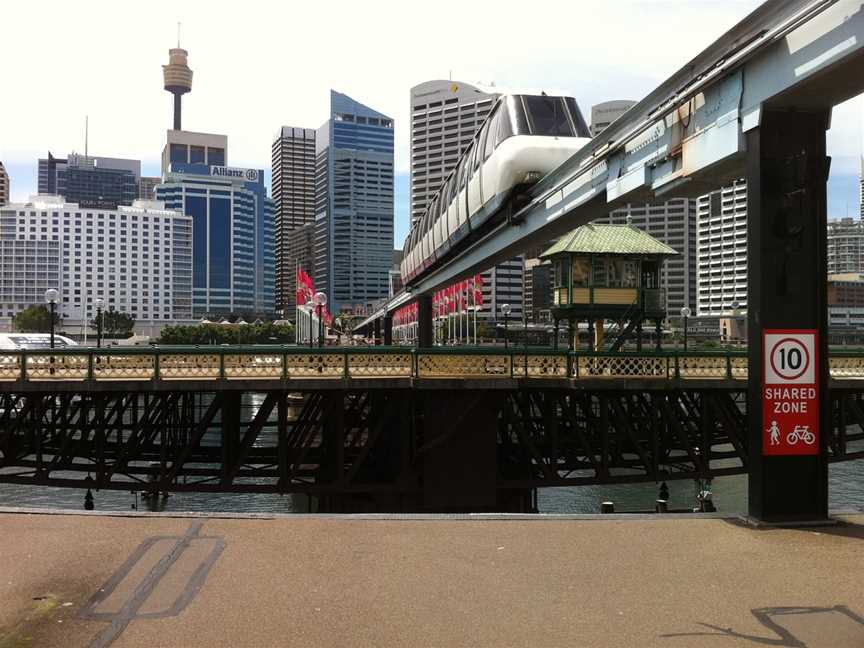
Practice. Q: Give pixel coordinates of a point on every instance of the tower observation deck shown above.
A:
(178, 79)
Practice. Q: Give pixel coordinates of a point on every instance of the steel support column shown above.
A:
(787, 170)
(424, 321)
(230, 431)
(388, 329)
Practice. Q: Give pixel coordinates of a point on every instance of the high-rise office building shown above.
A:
(186, 147)
(861, 189)
(845, 246)
(395, 274)
(232, 246)
(445, 115)
(5, 191)
(90, 180)
(293, 192)
(137, 258)
(603, 114)
(147, 187)
(721, 257)
(353, 204)
(301, 249)
(674, 223)
(538, 290)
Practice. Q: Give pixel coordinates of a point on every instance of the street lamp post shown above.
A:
(685, 313)
(100, 304)
(52, 296)
(320, 301)
(506, 310)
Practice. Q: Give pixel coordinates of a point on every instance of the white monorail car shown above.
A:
(523, 138)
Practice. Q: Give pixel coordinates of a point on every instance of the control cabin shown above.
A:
(608, 273)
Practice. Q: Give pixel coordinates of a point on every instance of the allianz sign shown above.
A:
(250, 175)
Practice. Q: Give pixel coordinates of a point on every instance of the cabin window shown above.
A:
(581, 272)
(598, 272)
(559, 273)
(621, 273)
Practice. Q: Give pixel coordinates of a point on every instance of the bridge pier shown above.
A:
(388, 329)
(787, 171)
(425, 315)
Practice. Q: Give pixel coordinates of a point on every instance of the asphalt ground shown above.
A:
(128, 581)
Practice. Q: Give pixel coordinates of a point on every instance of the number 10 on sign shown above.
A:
(790, 392)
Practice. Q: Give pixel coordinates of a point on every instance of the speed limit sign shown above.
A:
(789, 358)
(790, 403)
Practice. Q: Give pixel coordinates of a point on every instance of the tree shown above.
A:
(35, 319)
(114, 324)
(202, 334)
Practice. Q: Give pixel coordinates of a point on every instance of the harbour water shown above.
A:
(846, 493)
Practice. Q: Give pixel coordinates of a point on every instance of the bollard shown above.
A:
(706, 504)
(607, 507)
(662, 506)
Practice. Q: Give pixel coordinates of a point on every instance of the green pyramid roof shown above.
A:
(609, 239)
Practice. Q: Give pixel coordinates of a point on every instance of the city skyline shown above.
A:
(541, 61)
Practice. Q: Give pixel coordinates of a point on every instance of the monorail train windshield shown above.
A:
(556, 116)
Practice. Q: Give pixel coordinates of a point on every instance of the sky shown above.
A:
(260, 66)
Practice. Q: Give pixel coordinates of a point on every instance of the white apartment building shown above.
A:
(845, 246)
(721, 256)
(137, 258)
(4, 185)
(445, 114)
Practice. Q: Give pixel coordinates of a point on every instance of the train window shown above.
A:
(548, 116)
(492, 131)
(430, 214)
(460, 172)
(582, 129)
(478, 148)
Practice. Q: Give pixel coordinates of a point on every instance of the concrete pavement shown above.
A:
(150, 581)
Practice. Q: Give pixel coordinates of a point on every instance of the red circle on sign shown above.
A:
(806, 364)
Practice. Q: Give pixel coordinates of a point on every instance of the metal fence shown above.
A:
(285, 363)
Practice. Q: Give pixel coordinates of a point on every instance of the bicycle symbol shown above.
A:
(801, 433)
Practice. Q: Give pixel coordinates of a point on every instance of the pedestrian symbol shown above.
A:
(774, 430)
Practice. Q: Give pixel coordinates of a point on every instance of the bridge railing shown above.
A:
(335, 363)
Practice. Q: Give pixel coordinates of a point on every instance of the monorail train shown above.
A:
(523, 138)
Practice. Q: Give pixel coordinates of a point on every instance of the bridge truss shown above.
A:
(475, 441)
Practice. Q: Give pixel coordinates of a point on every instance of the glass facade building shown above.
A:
(353, 204)
(90, 181)
(232, 236)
